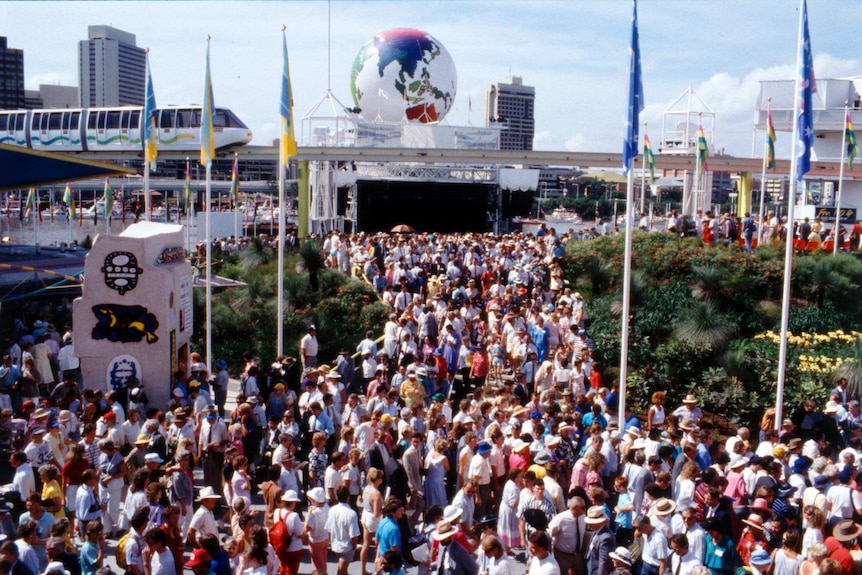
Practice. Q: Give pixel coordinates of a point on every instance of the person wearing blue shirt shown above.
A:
(388, 533)
(319, 420)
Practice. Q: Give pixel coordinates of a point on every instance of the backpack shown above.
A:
(280, 537)
(121, 551)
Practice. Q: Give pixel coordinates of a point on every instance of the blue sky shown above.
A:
(574, 53)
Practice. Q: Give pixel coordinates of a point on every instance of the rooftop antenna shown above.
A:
(328, 45)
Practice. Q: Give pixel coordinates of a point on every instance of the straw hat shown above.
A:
(621, 554)
(208, 493)
(847, 530)
(662, 507)
(690, 398)
(754, 520)
(595, 515)
(452, 513)
(444, 531)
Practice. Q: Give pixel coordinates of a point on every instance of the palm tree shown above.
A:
(637, 294)
(257, 254)
(704, 324)
(312, 261)
(826, 282)
(597, 274)
(710, 283)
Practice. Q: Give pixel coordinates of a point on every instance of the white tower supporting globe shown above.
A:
(404, 74)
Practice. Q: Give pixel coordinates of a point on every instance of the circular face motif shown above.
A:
(120, 369)
(404, 74)
(121, 271)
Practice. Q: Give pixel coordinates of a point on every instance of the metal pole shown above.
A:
(282, 177)
(209, 305)
(788, 252)
(627, 284)
(643, 177)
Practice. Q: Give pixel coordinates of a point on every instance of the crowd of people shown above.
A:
(475, 435)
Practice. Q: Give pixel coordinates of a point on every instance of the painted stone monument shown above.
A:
(134, 317)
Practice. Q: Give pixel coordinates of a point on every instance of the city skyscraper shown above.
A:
(11, 76)
(111, 68)
(511, 105)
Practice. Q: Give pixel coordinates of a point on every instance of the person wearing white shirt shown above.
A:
(682, 561)
(343, 527)
(158, 559)
(23, 481)
(568, 530)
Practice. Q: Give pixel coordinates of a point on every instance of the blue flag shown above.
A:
(806, 86)
(150, 134)
(636, 96)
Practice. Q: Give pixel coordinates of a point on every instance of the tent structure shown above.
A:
(24, 168)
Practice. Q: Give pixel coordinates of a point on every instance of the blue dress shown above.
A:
(450, 351)
(435, 482)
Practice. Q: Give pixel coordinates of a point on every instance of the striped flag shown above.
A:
(288, 137)
(850, 141)
(234, 183)
(636, 96)
(80, 211)
(207, 130)
(702, 149)
(123, 204)
(806, 86)
(650, 158)
(151, 138)
(187, 189)
(108, 196)
(69, 200)
(770, 141)
(28, 206)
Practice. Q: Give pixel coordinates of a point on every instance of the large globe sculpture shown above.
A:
(404, 73)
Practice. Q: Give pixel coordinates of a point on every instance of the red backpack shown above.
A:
(280, 537)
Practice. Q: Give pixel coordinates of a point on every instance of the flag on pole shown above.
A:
(151, 138)
(123, 204)
(80, 209)
(702, 149)
(28, 206)
(288, 137)
(234, 184)
(187, 189)
(806, 86)
(650, 158)
(207, 132)
(108, 196)
(636, 96)
(850, 141)
(770, 141)
(69, 200)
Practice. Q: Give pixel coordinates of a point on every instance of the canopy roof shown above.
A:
(24, 168)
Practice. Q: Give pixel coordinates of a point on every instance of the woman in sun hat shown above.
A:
(753, 538)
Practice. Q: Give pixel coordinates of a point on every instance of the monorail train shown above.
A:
(116, 129)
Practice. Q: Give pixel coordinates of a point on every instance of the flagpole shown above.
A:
(806, 75)
(630, 150)
(36, 222)
(840, 181)
(763, 170)
(234, 189)
(643, 177)
(285, 148)
(207, 153)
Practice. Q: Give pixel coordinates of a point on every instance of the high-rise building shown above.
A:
(511, 106)
(11, 76)
(111, 68)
